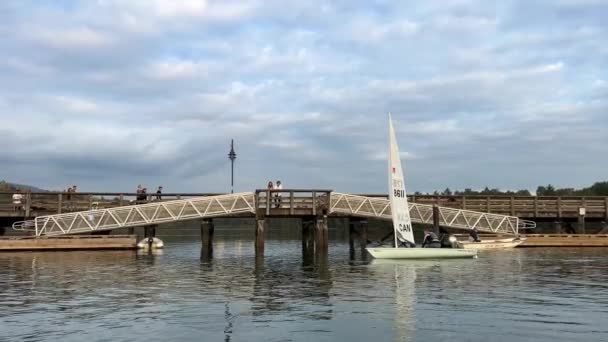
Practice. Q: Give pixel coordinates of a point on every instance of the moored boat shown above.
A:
(150, 243)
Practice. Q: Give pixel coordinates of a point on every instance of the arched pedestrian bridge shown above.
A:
(261, 204)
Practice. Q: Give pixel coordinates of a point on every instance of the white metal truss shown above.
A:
(142, 215)
(423, 213)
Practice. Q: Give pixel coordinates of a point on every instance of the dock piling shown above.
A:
(207, 232)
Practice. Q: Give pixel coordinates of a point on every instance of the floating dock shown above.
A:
(551, 240)
(68, 242)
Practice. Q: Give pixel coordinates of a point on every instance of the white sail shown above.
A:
(402, 223)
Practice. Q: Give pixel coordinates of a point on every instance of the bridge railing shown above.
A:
(44, 203)
(292, 200)
(423, 213)
(140, 215)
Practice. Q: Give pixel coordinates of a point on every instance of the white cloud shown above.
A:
(79, 37)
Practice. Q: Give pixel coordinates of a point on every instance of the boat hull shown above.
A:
(421, 253)
(146, 244)
(491, 244)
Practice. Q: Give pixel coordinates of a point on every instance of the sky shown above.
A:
(109, 94)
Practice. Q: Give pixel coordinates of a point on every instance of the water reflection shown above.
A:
(299, 292)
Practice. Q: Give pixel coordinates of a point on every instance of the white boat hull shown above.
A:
(491, 244)
(421, 253)
(145, 243)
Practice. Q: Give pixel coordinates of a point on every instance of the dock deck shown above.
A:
(551, 240)
(68, 242)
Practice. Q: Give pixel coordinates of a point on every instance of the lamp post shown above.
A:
(232, 157)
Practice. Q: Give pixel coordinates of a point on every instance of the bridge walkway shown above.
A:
(293, 203)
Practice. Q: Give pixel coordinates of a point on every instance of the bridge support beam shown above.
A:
(260, 229)
(207, 232)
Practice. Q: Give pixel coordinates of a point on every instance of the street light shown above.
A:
(232, 157)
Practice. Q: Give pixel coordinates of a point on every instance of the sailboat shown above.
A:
(402, 223)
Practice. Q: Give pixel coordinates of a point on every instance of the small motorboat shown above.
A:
(150, 243)
(492, 244)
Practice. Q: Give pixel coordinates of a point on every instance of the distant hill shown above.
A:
(7, 186)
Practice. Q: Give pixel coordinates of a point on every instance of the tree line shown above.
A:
(597, 189)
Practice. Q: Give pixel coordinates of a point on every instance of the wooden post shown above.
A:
(351, 240)
(121, 199)
(512, 206)
(28, 204)
(363, 234)
(314, 203)
(90, 202)
(535, 206)
(259, 236)
(582, 211)
(179, 197)
(488, 204)
(464, 202)
(291, 209)
(268, 202)
(606, 209)
(59, 203)
(321, 233)
(559, 207)
(436, 219)
(207, 231)
(150, 231)
(557, 227)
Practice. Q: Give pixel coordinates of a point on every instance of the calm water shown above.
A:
(523, 294)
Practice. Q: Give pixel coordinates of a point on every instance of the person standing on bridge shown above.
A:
(278, 195)
(17, 200)
(159, 193)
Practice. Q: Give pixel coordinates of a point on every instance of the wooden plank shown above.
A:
(291, 208)
(606, 209)
(60, 203)
(464, 203)
(536, 206)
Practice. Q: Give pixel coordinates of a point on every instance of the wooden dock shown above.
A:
(551, 240)
(68, 242)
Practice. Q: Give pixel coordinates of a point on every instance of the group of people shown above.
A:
(277, 196)
(142, 194)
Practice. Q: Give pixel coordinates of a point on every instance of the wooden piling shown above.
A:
(321, 233)
(59, 203)
(436, 219)
(150, 231)
(557, 227)
(581, 218)
(207, 232)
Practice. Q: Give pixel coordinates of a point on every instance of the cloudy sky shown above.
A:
(107, 94)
